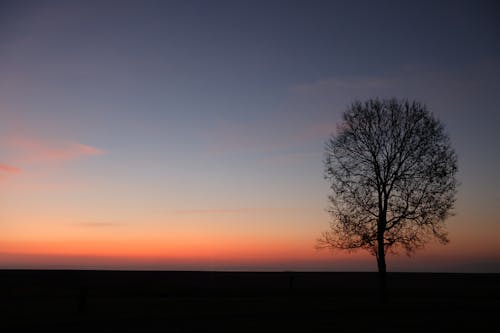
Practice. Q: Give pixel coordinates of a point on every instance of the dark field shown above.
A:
(235, 302)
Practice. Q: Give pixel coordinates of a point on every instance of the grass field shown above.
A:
(246, 301)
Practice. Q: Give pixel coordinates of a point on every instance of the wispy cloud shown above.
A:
(223, 211)
(441, 90)
(21, 152)
(307, 116)
(94, 224)
(9, 168)
(31, 150)
(7, 171)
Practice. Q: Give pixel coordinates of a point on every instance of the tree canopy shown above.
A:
(392, 171)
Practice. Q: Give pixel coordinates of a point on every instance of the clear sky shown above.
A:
(189, 134)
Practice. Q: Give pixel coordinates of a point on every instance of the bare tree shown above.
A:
(392, 173)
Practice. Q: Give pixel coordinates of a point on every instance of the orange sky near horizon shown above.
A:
(59, 244)
(51, 218)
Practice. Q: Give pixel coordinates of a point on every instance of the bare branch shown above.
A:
(392, 172)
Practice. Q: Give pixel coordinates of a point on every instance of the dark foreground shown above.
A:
(117, 301)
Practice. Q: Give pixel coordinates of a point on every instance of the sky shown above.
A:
(190, 134)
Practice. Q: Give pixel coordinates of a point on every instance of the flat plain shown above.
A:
(177, 301)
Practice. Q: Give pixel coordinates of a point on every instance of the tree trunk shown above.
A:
(381, 225)
(382, 272)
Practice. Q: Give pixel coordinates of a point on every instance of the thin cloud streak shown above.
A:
(94, 224)
(33, 150)
(216, 211)
(438, 88)
(22, 152)
(9, 168)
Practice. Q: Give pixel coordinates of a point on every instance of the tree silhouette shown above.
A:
(392, 173)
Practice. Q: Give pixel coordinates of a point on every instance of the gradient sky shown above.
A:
(189, 134)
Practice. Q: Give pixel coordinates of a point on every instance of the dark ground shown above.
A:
(246, 302)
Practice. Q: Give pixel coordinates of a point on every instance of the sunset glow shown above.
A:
(169, 136)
